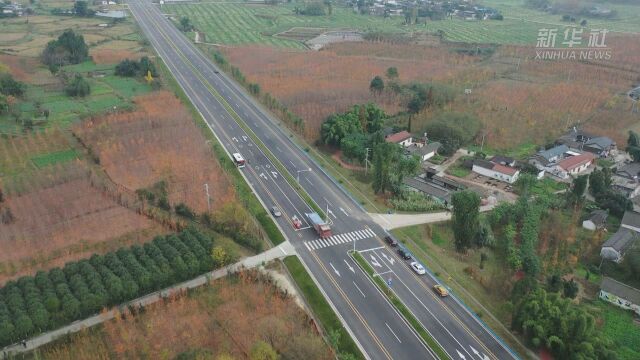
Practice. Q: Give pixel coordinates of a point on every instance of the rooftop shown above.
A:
(502, 160)
(573, 162)
(621, 290)
(601, 142)
(495, 167)
(631, 218)
(425, 149)
(428, 188)
(598, 217)
(554, 151)
(629, 170)
(621, 240)
(398, 137)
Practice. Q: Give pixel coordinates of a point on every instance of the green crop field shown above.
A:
(47, 159)
(106, 92)
(240, 24)
(620, 328)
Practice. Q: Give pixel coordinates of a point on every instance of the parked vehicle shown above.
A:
(321, 226)
(441, 290)
(404, 254)
(418, 268)
(391, 241)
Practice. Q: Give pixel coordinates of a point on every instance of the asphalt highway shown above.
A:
(236, 119)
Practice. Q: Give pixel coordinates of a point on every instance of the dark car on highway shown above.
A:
(404, 254)
(391, 241)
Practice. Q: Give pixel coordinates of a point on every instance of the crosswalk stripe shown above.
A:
(339, 239)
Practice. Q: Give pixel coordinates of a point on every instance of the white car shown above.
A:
(419, 269)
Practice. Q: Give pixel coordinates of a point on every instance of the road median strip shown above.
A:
(329, 321)
(399, 306)
(288, 177)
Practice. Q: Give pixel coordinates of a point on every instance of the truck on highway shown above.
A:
(322, 228)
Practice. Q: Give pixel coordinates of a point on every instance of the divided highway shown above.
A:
(236, 120)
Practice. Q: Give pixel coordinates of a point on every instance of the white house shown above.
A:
(425, 152)
(495, 171)
(620, 294)
(573, 165)
(403, 138)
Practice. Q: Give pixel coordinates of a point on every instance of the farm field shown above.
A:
(227, 317)
(107, 46)
(625, 21)
(511, 90)
(619, 326)
(316, 84)
(61, 203)
(158, 142)
(243, 24)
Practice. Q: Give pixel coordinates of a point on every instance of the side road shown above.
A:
(278, 252)
(393, 221)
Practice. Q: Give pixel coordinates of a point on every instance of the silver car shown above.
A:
(276, 212)
(418, 268)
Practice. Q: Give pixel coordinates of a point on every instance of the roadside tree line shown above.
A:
(35, 304)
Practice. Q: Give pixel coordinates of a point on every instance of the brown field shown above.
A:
(158, 141)
(68, 218)
(226, 318)
(518, 99)
(317, 84)
(113, 56)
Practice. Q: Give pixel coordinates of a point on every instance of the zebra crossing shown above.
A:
(339, 239)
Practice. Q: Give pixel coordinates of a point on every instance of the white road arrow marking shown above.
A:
(389, 259)
(483, 356)
(334, 269)
(460, 354)
(344, 212)
(244, 138)
(234, 139)
(331, 213)
(275, 174)
(375, 262)
(262, 175)
(349, 266)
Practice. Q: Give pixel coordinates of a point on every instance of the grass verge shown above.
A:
(246, 195)
(411, 319)
(321, 309)
(276, 162)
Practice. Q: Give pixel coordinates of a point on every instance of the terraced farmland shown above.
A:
(240, 24)
(237, 24)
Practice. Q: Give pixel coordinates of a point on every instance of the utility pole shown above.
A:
(206, 189)
(366, 160)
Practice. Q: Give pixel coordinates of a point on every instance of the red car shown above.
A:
(296, 222)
